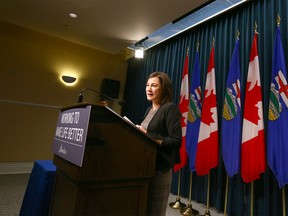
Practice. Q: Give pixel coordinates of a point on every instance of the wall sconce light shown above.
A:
(69, 80)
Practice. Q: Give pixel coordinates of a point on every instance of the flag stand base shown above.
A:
(177, 204)
(207, 213)
(189, 211)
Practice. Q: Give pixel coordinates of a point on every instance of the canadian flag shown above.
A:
(183, 107)
(253, 144)
(207, 148)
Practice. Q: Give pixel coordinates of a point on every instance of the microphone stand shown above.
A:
(81, 96)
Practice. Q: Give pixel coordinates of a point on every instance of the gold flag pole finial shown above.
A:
(237, 35)
(256, 28)
(187, 51)
(278, 20)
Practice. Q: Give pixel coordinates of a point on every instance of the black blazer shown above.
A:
(166, 126)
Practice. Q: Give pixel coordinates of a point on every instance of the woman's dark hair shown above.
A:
(165, 88)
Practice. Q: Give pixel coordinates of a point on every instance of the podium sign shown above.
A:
(71, 133)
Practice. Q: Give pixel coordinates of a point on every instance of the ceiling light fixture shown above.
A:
(139, 53)
(140, 48)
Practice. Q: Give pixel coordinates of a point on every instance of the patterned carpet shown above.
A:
(13, 186)
(12, 189)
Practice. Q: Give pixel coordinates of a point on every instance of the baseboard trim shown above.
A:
(15, 167)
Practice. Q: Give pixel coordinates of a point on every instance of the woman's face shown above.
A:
(153, 93)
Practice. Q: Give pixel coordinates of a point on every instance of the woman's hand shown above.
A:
(159, 142)
(142, 129)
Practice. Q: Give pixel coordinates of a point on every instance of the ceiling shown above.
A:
(107, 25)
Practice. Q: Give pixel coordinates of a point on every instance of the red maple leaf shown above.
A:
(253, 96)
(209, 102)
(183, 107)
(183, 123)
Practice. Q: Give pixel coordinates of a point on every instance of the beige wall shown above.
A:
(31, 91)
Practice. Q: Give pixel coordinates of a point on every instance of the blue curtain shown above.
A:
(169, 57)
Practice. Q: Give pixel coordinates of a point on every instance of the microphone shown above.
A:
(81, 96)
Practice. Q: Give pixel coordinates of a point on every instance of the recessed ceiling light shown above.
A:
(73, 15)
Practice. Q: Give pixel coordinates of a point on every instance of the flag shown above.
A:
(183, 107)
(253, 146)
(207, 149)
(278, 115)
(232, 117)
(194, 114)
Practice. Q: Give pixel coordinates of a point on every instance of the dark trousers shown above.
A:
(159, 190)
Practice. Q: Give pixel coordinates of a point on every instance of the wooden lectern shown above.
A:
(118, 162)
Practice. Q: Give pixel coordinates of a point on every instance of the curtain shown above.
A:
(169, 57)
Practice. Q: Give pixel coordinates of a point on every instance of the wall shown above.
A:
(31, 92)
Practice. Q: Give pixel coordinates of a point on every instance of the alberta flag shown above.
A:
(207, 149)
(253, 144)
(232, 117)
(183, 107)
(194, 114)
(278, 115)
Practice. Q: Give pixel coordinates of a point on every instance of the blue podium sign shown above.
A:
(71, 133)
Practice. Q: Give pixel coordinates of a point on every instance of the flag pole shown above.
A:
(252, 198)
(278, 19)
(283, 201)
(189, 210)
(183, 107)
(226, 195)
(207, 212)
(178, 204)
